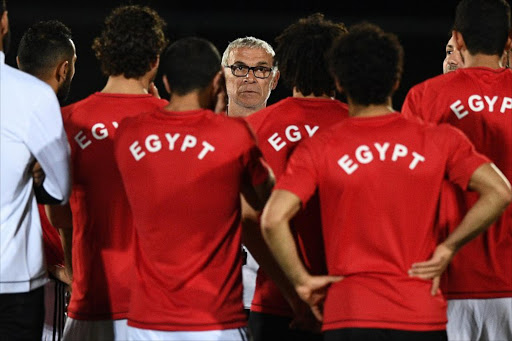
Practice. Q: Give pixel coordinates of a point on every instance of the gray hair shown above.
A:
(250, 42)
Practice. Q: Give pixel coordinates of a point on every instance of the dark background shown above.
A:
(422, 26)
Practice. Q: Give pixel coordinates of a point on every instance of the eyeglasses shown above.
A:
(240, 70)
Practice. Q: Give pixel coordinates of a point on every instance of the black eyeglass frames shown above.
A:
(240, 70)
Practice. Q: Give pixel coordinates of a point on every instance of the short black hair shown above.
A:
(4, 6)
(484, 25)
(300, 54)
(132, 39)
(43, 45)
(368, 63)
(190, 64)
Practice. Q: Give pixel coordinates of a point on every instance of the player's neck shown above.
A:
(186, 102)
(482, 60)
(123, 85)
(360, 110)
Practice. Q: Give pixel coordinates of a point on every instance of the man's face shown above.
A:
(453, 59)
(249, 91)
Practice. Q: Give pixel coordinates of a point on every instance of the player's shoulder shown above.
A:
(256, 119)
(159, 102)
(237, 123)
(440, 132)
(235, 129)
(342, 105)
(85, 104)
(440, 84)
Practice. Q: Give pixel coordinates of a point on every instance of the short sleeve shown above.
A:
(463, 158)
(411, 108)
(301, 176)
(257, 169)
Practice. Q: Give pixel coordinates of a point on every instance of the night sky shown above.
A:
(422, 26)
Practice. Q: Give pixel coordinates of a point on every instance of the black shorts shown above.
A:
(268, 327)
(22, 315)
(376, 334)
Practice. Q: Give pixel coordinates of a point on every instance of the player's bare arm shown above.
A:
(275, 223)
(495, 196)
(253, 240)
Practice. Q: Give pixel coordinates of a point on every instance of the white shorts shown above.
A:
(54, 310)
(237, 334)
(78, 330)
(480, 319)
(249, 271)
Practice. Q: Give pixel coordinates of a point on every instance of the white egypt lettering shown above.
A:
(99, 131)
(292, 133)
(153, 143)
(477, 104)
(363, 154)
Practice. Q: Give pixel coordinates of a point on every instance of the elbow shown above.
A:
(506, 196)
(269, 222)
(503, 195)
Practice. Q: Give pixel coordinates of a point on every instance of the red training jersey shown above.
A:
(183, 173)
(279, 128)
(379, 181)
(478, 101)
(102, 222)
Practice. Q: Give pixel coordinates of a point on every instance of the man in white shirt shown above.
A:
(31, 130)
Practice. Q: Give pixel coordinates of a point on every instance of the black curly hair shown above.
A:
(367, 63)
(43, 45)
(300, 54)
(132, 39)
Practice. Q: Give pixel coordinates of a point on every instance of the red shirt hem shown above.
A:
(398, 325)
(173, 326)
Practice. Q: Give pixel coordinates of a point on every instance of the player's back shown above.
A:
(280, 128)
(102, 222)
(379, 180)
(477, 100)
(183, 174)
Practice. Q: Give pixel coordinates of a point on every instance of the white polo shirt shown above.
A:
(31, 128)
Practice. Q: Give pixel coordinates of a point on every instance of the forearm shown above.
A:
(485, 211)
(253, 240)
(280, 241)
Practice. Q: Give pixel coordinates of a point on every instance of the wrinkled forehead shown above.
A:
(251, 56)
